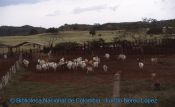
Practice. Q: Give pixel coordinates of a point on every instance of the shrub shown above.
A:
(66, 46)
(99, 35)
(97, 43)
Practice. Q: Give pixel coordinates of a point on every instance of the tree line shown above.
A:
(155, 27)
(145, 23)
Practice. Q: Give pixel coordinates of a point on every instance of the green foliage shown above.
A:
(52, 30)
(100, 35)
(66, 46)
(33, 32)
(46, 49)
(154, 30)
(145, 23)
(96, 42)
(74, 27)
(92, 32)
(116, 39)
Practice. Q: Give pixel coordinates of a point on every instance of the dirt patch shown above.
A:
(129, 68)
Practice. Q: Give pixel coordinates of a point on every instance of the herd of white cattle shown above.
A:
(88, 65)
(74, 64)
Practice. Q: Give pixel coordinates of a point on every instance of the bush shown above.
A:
(154, 31)
(52, 30)
(116, 39)
(99, 35)
(66, 46)
(97, 43)
(46, 49)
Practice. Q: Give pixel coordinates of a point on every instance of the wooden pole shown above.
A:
(116, 89)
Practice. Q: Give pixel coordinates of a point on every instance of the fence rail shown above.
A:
(159, 46)
(8, 76)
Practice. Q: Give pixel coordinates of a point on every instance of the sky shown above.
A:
(54, 13)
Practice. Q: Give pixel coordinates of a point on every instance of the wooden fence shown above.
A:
(153, 47)
(8, 76)
(116, 89)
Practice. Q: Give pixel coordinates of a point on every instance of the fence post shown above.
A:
(116, 89)
(20, 58)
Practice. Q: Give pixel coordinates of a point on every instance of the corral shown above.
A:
(98, 84)
(77, 83)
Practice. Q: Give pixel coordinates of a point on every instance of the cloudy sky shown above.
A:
(54, 13)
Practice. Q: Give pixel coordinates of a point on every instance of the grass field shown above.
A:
(67, 36)
(72, 36)
(76, 36)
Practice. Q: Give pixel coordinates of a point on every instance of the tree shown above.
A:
(52, 30)
(52, 40)
(97, 26)
(92, 32)
(155, 26)
(148, 20)
(53, 37)
(33, 32)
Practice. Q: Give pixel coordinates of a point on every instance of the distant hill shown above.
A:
(118, 26)
(20, 31)
(30, 30)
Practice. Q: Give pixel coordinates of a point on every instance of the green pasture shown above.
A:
(74, 36)
(67, 36)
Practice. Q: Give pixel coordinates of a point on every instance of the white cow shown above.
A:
(141, 65)
(105, 68)
(90, 69)
(121, 57)
(38, 67)
(26, 62)
(69, 65)
(5, 56)
(154, 60)
(107, 56)
(95, 64)
(49, 54)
